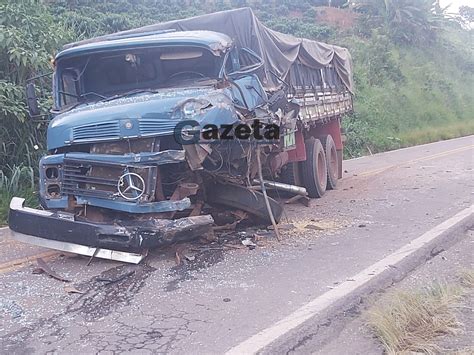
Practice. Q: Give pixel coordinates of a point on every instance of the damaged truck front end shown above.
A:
(160, 135)
(141, 145)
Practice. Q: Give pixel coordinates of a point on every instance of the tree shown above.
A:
(29, 37)
(406, 21)
(467, 14)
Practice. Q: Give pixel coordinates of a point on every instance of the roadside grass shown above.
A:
(409, 321)
(16, 181)
(467, 351)
(434, 134)
(467, 278)
(408, 96)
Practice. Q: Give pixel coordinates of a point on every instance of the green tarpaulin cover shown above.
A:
(279, 51)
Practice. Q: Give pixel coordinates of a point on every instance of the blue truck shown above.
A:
(155, 128)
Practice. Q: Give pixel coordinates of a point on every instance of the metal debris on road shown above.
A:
(44, 268)
(189, 257)
(249, 243)
(72, 289)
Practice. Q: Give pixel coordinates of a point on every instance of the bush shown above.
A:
(16, 181)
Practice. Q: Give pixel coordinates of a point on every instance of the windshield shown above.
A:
(102, 76)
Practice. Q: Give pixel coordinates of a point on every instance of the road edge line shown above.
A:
(383, 271)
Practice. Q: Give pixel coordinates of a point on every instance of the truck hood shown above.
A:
(139, 115)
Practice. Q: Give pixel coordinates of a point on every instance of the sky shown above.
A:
(455, 4)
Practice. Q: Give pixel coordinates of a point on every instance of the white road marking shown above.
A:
(264, 338)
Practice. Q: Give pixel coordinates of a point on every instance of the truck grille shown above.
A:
(106, 130)
(97, 179)
(156, 125)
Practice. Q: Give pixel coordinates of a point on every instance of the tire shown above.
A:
(291, 174)
(332, 161)
(314, 168)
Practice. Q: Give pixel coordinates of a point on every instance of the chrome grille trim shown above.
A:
(105, 130)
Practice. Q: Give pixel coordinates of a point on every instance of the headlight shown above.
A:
(51, 180)
(193, 108)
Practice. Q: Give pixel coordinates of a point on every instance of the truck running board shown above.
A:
(68, 247)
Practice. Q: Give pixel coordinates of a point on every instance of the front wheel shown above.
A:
(315, 168)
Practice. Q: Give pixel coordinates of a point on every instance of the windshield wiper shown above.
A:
(91, 93)
(80, 96)
(128, 93)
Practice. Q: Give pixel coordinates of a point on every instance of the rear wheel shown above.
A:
(314, 168)
(331, 161)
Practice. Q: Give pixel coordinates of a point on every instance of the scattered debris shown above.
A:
(233, 246)
(262, 235)
(305, 200)
(286, 226)
(226, 299)
(44, 268)
(307, 228)
(92, 256)
(109, 281)
(190, 257)
(436, 250)
(249, 243)
(72, 289)
(314, 227)
(179, 253)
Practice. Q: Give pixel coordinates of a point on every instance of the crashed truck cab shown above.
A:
(152, 132)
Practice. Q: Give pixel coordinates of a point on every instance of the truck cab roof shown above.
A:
(217, 42)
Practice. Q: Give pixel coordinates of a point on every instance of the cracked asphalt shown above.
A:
(224, 296)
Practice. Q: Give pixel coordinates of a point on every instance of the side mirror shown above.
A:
(32, 100)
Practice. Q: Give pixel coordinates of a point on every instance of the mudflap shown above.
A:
(126, 241)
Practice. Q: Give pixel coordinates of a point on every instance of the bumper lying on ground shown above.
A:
(124, 240)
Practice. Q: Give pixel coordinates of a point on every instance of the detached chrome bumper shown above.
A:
(126, 240)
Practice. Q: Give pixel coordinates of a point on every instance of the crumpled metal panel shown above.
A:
(122, 235)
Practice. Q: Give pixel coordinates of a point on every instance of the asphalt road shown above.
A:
(225, 296)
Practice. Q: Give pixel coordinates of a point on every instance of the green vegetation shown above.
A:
(17, 181)
(413, 65)
(410, 95)
(29, 36)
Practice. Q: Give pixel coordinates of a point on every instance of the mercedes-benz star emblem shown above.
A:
(131, 186)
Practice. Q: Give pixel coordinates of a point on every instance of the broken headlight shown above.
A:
(192, 108)
(51, 179)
